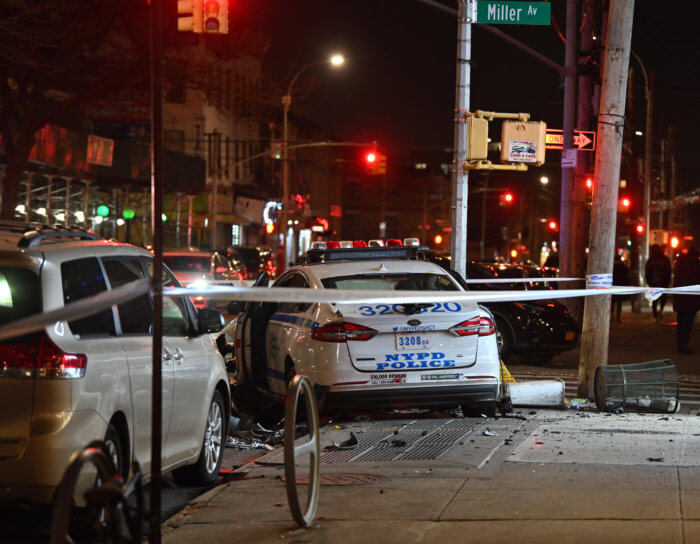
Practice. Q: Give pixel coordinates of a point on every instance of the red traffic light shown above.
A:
(508, 197)
(552, 225)
(589, 183)
(639, 228)
(371, 157)
(625, 202)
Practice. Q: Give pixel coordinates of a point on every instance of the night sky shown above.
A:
(397, 86)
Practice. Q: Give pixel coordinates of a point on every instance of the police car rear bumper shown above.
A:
(411, 397)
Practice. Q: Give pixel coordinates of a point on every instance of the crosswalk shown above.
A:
(689, 385)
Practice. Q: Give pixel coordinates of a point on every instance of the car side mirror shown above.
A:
(236, 306)
(209, 321)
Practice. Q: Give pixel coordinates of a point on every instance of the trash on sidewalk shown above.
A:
(544, 393)
(241, 444)
(650, 387)
(576, 404)
(351, 443)
(489, 433)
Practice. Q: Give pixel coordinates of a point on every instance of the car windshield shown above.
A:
(392, 282)
(19, 294)
(186, 263)
(250, 256)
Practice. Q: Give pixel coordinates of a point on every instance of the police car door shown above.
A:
(287, 326)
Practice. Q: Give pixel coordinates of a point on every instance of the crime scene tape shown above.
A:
(93, 304)
(520, 280)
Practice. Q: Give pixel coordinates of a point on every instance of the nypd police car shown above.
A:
(361, 355)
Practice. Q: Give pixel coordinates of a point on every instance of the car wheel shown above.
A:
(206, 469)
(115, 451)
(504, 338)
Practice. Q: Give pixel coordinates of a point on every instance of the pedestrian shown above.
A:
(686, 272)
(621, 277)
(657, 273)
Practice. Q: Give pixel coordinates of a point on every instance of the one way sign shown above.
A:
(583, 140)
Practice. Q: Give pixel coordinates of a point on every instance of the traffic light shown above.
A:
(589, 183)
(189, 15)
(624, 204)
(552, 225)
(276, 150)
(438, 239)
(505, 199)
(477, 138)
(639, 228)
(375, 163)
(270, 228)
(215, 16)
(675, 242)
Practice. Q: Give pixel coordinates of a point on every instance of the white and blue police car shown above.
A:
(361, 356)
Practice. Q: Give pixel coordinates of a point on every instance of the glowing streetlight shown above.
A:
(544, 180)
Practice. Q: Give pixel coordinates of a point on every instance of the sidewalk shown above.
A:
(551, 476)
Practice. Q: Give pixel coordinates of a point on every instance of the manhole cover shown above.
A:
(345, 479)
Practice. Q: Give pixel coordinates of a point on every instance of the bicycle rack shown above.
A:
(95, 454)
(292, 450)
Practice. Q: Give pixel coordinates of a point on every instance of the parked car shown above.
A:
(193, 266)
(369, 355)
(531, 332)
(90, 378)
(257, 259)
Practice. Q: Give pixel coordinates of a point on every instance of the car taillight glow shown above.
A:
(469, 327)
(342, 332)
(486, 326)
(39, 357)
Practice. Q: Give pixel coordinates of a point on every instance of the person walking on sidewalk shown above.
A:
(686, 272)
(657, 273)
(620, 277)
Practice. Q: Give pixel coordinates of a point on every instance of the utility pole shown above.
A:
(584, 165)
(460, 178)
(568, 149)
(611, 122)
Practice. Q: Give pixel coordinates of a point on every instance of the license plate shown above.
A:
(569, 336)
(412, 340)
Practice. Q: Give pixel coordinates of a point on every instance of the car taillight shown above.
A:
(341, 332)
(37, 356)
(486, 326)
(469, 327)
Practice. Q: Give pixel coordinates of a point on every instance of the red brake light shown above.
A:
(486, 326)
(359, 243)
(37, 356)
(332, 244)
(469, 327)
(341, 332)
(394, 242)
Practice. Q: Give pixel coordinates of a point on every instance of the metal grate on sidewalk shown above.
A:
(400, 439)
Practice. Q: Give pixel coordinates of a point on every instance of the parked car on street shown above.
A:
(90, 378)
(257, 259)
(369, 355)
(193, 266)
(531, 332)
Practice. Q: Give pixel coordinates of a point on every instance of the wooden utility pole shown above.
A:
(611, 122)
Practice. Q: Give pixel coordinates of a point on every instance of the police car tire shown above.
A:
(198, 473)
(504, 337)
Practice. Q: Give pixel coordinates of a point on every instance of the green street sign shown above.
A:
(495, 12)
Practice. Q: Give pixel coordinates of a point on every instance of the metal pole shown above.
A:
(460, 178)
(190, 219)
(177, 220)
(482, 252)
(157, 287)
(649, 96)
(282, 250)
(567, 173)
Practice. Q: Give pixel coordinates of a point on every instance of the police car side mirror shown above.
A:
(236, 306)
(209, 321)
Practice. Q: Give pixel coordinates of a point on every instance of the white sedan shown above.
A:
(359, 355)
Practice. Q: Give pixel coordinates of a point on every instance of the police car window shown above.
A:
(293, 280)
(83, 278)
(392, 282)
(135, 315)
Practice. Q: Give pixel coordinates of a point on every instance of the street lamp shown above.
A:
(335, 61)
(644, 254)
(544, 180)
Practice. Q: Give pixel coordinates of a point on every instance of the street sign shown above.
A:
(583, 140)
(496, 12)
(568, 158)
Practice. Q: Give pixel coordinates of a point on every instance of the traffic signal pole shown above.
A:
(460, 177)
